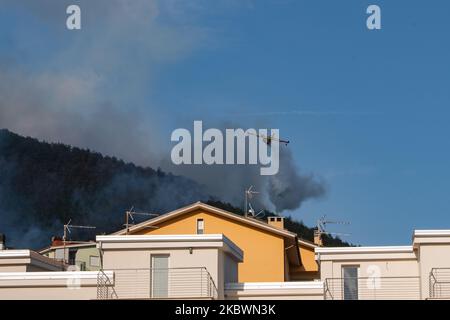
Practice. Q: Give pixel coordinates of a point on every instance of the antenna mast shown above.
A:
(321, 229)
(130, 215)
(248, 195)
(69, 226)
(67, 231)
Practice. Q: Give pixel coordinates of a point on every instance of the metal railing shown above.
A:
(439, 282)
(167, 283)
(105, 289)
(372, 288)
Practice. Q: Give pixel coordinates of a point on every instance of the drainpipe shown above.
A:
(319, 265)
(100, 250)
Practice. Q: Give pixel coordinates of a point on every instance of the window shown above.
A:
(200, 226)
(59, 254)
(350, 279)
(72, 256)
(94, 261)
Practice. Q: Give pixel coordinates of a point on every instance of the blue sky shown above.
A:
(366, 110)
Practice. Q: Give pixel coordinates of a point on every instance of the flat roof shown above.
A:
(432, 233)
(177, 240)
(378, 249)
(76, 245)
(35, 258)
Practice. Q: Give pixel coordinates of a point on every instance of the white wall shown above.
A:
(432, 256)
(304, 290)
(48, 285)
(178, 258)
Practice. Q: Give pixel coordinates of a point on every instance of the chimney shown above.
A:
(2, 241)
(57, 241)
(277, 222)
(318, 238)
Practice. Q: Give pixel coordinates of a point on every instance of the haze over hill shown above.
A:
(43, 185)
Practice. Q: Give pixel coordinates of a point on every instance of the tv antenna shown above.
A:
(321, 229)
(68, 227)
(129, 215)
(253, 212)
(248, 195)
(67, 231)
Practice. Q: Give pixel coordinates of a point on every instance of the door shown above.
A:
(350, 278)
(160, 276)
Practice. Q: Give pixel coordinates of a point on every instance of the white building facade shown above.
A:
(417, 271)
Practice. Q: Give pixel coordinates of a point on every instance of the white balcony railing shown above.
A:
(167, 283)
(372, 288)
(440, 283)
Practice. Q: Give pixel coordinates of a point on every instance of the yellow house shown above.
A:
(271, 253)
(309, 269)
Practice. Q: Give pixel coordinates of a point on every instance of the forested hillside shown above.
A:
(43, 185)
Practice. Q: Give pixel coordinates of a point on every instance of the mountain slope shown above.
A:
(43, 185)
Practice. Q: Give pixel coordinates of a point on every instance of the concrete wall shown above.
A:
(22, 267)
(433, 252)
(36, 268)
(383, 272)
(391, 261)
(386, 268)
(26, 260)
(430, 249)
(198, 257)
(48, 285)
(230, 269)
(306, 290)
(432, 256)
(13, 267)
(178, 258)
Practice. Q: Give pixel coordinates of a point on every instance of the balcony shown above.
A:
(168, 283)
(372, 288)
(440, 283)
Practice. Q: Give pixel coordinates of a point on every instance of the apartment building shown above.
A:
(272, 253)
(196, 252)
(417, 271)
(202, 252)
(83, 255)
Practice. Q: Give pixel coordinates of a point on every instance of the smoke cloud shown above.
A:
(289, 188)
(93, 89)
(286, 190)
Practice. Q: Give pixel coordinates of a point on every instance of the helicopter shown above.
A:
(268, 139)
